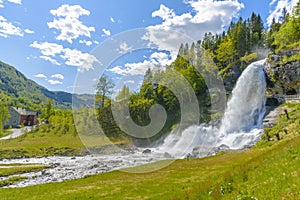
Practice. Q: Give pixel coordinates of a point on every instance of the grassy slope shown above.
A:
(38, 144)
(12, 169)
(49, 144)
(268, 171)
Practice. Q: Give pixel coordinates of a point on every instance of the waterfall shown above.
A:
(241, 125)
(245, 108)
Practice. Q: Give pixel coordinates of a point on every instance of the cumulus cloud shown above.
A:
(163, 12)
(68, 23)
(7, 28)
(158, 60)
(118, 70)
(276, 13)
(106, 32)
(72, 57)
(58, 76)
(48, 49)
(83, 61)
(40, 76)
(28, 31)
(86, 42)
(112, 20)
(54, 82)
(124, 47)
(15, 1)
(206, 16)
(52, 60)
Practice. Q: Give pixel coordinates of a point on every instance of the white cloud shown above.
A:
(106, 32)
(72, 57)
(129, 82)
(79, 59)
(206, 16)
(163, 12)
(124, 47)
(58, 76)
(48, 49)
(68, 23)
(52, 60)
(276, 13)
(55, 82)
(11, 1)
(158, 60)
(15, 1)
(118, 70)
(28, 31)
(86, 42)
(7, 28)
(96, 42)
(112, 20)
(41, 76)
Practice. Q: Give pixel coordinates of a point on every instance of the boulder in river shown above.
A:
(146, 151)
(167, 155)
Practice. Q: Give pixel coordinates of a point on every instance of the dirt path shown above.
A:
(16, 132)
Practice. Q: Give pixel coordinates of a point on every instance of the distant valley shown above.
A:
(26, 93)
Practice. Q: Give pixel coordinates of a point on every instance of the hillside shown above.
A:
(24, 92)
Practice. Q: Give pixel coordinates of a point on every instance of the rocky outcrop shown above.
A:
(284, 76)
(231, 76)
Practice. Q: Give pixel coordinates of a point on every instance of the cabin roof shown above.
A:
(23, 111)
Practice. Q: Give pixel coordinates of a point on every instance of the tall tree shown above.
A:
(4, 115)
(123, 94)
(48, 110)
(104, 88)
(226, 52)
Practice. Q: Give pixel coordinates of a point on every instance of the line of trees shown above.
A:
(285, 34)
(4, 113)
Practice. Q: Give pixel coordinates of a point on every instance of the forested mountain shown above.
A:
(17, 90)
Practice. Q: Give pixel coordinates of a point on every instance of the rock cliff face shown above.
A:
(284, 77)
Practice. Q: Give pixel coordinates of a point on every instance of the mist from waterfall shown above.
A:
(241, 125)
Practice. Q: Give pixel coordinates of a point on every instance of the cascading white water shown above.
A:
(245, 109)
(240, 126)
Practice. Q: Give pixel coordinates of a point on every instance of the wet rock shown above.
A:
(215, 122)
(55, 164)
(94, 166)
(167, 155)
(146, 151)
(188, 156)
(223, 147)
(271, 101)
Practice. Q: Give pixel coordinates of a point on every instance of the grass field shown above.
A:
(48, 144)
(11, 169)
(270, 170)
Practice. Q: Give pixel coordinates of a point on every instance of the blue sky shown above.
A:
(58, 42)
